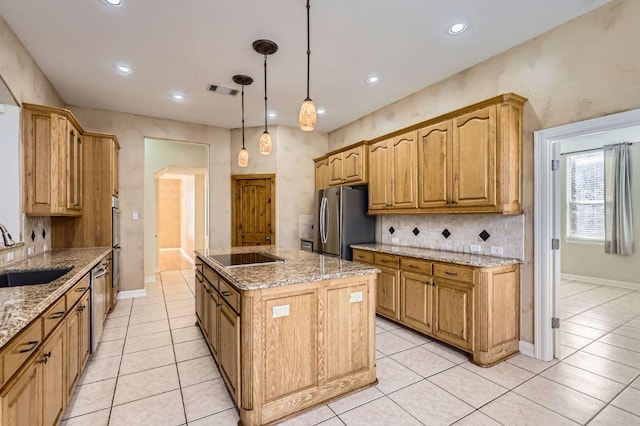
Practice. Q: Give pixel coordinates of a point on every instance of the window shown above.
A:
(585, 196)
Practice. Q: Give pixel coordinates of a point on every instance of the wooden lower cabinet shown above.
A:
(74, 338)
(416, 293)
(85, 330)
(476, 309)
(453, 313)
(21, 399)
(200, 299)
(388, 293)
(54, 387)
(290, 348)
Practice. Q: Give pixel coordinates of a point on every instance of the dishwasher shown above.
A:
(98, 303)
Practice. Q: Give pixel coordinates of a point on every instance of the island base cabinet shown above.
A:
(21, 400)
(213, 320)
(229, 360)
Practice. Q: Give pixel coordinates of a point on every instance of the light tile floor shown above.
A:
(153, 368)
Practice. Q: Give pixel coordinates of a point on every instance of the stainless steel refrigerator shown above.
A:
(341, 220)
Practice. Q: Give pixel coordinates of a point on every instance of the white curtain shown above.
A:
(617, 196)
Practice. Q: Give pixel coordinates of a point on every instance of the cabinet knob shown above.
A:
(42, 360)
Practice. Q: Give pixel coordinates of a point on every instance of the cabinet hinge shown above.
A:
(555, 244)
(555, 322)
(555, 165)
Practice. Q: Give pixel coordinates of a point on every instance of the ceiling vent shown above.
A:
(222, 90)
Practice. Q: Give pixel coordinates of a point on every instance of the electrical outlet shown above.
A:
(10, 256)
(395, 240)
(45, 247)
(475, 248)
(496, 250)
(30, 251)
(135, 216)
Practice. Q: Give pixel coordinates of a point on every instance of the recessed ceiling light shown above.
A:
(178, 97)
(373, 79)
(321, 110)
(113, 2)
(273, 114)
(457, 28)
(126, 69)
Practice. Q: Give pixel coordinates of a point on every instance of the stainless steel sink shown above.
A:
(39, 276)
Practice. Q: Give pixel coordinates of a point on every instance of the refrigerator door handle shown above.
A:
(324, 220)
(321, 221)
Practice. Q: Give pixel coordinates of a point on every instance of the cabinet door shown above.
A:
(434, 165)
(353, 167)
(54, 387)
(108, 294)
(453, 313)
(416, 295)
(322, 173)
(200, 299)
(38, 131)
(73, 165)
(115, 173)
(22, 401)
(85, 328)
(229, 359)
(379, 175)
(335, 169)
(404, 171)
(74, 338)
(474, 158)
(213, 319)
(388, 293)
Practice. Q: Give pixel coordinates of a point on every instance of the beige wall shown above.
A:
(187, 214)
(585, 68)
(169, 213)
(27, 83)
(291, 160)
(132, 131)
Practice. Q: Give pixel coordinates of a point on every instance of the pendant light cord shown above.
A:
(308, 47)
(265, 93)
(242, 116)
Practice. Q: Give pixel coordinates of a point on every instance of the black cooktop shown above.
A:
(232, 260)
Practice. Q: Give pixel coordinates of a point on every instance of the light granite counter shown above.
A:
(299, 267)
(21, 305)
(470, 259)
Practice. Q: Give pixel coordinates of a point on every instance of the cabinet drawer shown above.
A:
(22, 347)
(54, 315)
(230, 295)
(77, 291)
(416, 265)
(362, 256)
(453, 273)
(388, 260)
(212, 277)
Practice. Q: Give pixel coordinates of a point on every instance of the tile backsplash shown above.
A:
(36, 237)
(457, 232)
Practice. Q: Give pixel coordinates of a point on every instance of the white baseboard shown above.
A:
(169, 249)
(150, 279)
(527, 349)
(189, 258)
(601, 281)
(131, 293)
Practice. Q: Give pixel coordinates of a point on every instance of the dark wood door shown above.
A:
(253, 210)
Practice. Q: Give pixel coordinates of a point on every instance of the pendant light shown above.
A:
(308, 109)
(265, 47)
(243, 155)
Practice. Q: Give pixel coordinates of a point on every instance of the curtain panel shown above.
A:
(617, 195)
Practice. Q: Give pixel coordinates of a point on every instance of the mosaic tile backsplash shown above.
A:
(36, 237)
(457, 233)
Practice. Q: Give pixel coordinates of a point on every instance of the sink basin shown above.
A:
(40, 276)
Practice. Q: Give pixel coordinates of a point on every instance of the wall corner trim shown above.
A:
(527, 349)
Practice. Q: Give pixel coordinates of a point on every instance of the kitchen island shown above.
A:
(287, 335)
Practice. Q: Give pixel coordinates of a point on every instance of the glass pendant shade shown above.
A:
(265, 143)
(308, 115)
(243, 158)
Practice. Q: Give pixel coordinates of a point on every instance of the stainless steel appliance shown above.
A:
(115, 243)
(306, 245)
(341, 220)
(98, 303)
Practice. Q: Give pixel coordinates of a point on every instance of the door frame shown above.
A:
(547, 261)
(234, 179)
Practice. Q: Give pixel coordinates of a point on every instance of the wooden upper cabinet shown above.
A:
(404, 180)
(52, 162)
(348, 167)
(474, 158)
(379, 176)
(322, 173)
(115, 165)
(434, 165)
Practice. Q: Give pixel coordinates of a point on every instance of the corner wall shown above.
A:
(586, 68)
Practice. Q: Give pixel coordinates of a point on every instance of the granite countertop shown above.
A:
(470, 259)
(299, 267)
(21, 305)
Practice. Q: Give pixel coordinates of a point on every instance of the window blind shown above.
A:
(585, 195)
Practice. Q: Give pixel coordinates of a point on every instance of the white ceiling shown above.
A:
(185, 45)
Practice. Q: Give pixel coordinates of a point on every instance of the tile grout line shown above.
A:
(613, 399)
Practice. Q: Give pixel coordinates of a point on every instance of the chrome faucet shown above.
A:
(6, 236)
